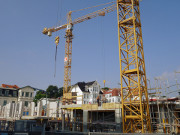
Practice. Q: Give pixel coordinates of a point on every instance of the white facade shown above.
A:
(19, 111)
(26, 95)
(7, 100)
(79, 94)
(87, 92)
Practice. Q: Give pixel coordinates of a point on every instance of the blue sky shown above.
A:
(27, 56)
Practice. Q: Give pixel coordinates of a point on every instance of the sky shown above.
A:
(27, 56)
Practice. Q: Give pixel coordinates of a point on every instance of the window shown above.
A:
(84, 102)
(95, 89)
(113, 100)
(13, 101)
(6, 92)
(14, 94)
(84, 95)
(27, 94)
(87, 96)
(5, 102)
(26, 103)
(31, 94)
(22, 94)
(0, 92)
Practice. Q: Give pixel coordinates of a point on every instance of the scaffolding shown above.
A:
(165, 111)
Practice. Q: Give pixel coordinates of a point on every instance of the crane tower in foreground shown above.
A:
(134, 95)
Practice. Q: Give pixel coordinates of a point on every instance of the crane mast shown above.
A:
(134, 95)
(68, 55)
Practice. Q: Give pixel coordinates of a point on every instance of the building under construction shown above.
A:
(135, 112)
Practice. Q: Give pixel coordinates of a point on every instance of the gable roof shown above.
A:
(82, 85)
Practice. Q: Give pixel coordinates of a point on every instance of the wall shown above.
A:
(79, 93)
(24, 97)
(9, 100)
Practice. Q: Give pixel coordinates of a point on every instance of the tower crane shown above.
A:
(134, 95)
(69, 37)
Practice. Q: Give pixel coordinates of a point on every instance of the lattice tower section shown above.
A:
(135, 105)
(67, 61)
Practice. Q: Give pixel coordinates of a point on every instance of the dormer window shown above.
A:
(86, 88)
(7, 93)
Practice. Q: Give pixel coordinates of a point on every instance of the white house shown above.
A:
(26, 95)
(87, 92)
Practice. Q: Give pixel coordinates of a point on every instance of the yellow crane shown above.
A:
(69, 37)
(134, 95)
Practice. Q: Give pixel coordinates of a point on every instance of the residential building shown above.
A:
(87, 92)
(8, 94)
(26, 95)
(112, 95)
(14, 94)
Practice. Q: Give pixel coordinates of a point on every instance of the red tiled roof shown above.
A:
(10, 86)
(115, 91)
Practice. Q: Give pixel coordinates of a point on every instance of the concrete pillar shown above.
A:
(39, 108)
(32, 108)
(20, 109)
(85, 120)
(118, 120)
(63, 120)
(74, 119)
(8, 110)
(15, 110)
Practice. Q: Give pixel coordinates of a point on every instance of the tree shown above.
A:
(39, 95)
(105, 88)
(54, 91)
(51, 91)
(60, 92)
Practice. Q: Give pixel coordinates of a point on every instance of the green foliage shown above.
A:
(61, 92)
(105, 88)
(39, 95)
(54, 91)
(51, 91)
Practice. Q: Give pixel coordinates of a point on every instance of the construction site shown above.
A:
(137, 107)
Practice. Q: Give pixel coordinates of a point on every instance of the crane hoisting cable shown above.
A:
(57, 42)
